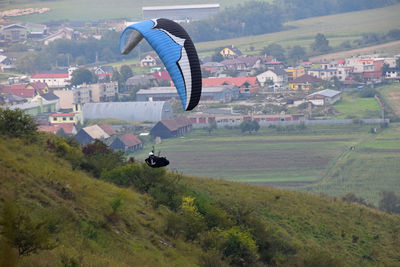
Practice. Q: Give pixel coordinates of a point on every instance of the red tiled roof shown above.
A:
(62, 114)
(38, 85)
(306, 79)
(162, 75)
(54, 128)
(19, 90)
(237, 81)
(107, 128)
(130, 140)
(51, 76)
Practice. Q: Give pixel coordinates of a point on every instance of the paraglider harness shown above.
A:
(156, 161)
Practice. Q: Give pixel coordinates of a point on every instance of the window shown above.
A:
(64, 118)
(71, 118)
(54, 119)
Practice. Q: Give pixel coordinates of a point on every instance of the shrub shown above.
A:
(239, 247)
(15, 123)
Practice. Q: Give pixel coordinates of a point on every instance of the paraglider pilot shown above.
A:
(156, 161)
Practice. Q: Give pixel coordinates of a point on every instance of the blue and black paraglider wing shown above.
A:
(176, 50)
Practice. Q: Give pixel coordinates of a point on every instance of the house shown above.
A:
(53, 80)
(324, 74)
(51, 99)
(108, 129)
(7, 100)
(63, 118)
(234, 64)
(64, 33)
(14, 33)
(162, 76)
(68, 128)
(294, 73)
(6, 64)
(36, 30)
(324, 97)
(103, 92)
(103, 71)
(36, 106)
(245, 84)
(25, 90)
(230, 52)
(276, 77)
(150, 60)
(303, 83)
(392, 73)
(127, 142)
(141, 80)
(129, 111)
(172, 127)
(213, 67)
(88, 134)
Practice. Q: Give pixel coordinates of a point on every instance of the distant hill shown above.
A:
(158, 218)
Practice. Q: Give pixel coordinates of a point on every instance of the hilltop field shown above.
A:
(337, 29)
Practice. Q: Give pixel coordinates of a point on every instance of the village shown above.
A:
(237, 87)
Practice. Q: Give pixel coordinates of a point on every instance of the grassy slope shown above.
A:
(337, 28)
(354, 106)
(33, 177)
(391, 97)
(372, 168)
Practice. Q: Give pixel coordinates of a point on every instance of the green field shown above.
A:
(351, 106)
(391, 97)
(308, 160)
(337, 28)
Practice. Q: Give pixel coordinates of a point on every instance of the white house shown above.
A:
(278, 77)
(53, 80)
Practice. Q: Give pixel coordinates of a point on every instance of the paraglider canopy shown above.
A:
(176, 50)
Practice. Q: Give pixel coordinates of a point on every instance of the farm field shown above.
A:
(391, 95)
(355, 107)
(371, 168)
(317, 160)
(337, 28)
(262, 157)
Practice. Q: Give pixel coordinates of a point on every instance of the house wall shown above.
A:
(160, 130)
(66, 98)
(83, 138)
(53, 82)
(15, 34)
(63, 119)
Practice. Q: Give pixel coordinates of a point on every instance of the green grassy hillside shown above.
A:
(272, 226)
(337, 28)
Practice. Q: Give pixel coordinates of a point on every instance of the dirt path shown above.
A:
(343, 54)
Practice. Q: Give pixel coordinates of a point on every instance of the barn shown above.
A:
(126, 142)
(172, 127)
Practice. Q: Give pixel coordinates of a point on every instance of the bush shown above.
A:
(239, 247)
(15, 123)
(367, 93)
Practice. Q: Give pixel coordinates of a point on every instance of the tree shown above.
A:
(390, 202)
(116, 77)
(80, 76)
(212, 126)
(217, 57)
(321, 44)
(23, 233)
(276, 51)
(249, 126)
(15, 123)
(126, 72)
(297, 53)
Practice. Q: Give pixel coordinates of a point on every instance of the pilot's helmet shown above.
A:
(151, 154)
